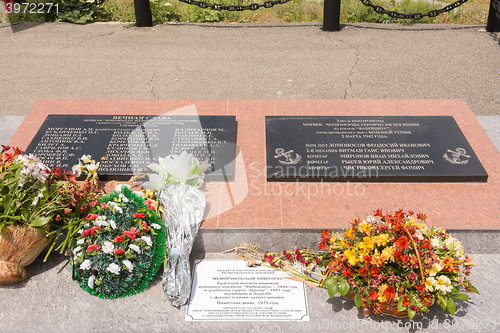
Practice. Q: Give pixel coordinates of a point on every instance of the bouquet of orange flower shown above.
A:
(397, 259)
(393, 263)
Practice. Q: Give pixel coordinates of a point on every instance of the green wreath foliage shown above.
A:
(121, 247)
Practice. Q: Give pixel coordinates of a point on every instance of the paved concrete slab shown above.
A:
(491, 125)
(51, 302)
(251, 61)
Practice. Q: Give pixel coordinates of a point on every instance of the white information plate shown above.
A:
(228, 290)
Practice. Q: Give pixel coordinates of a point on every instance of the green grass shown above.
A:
(472, 12)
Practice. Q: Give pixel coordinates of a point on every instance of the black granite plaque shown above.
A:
(125, 145)
(369, 149)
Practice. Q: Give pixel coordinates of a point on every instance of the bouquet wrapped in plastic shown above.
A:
(177, 185)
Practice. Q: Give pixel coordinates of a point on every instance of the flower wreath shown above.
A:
(121, 247)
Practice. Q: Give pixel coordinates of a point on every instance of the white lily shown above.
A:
(181, 169)
(92, 167)
(86, 159)
(156, 181)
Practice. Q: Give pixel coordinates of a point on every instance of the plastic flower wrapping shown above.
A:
(387, 259)
(177, 185)
(120, 248)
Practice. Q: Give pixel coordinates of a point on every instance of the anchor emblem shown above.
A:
(280, 152)
(456, 155)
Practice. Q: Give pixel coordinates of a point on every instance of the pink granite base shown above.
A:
(251, 202)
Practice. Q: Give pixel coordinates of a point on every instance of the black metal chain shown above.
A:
(414, 16)
(65, 8)
(234, 8)
(496, 7)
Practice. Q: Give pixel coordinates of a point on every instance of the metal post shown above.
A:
(493, 24)
(143, 17)
(331, 15)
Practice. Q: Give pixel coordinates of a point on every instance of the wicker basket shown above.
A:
(389, 308)
(19, 247)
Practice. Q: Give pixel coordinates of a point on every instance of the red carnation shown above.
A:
(93, 247)
(118, 251)
(91, 216)
(129, 234)
(138, 215)
(118, 239)
(146, 227)
(89, 231)
(93, 203)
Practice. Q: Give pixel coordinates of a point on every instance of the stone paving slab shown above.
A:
(249, 61)
(51, 302)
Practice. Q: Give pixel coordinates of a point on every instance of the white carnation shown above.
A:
(80, 241)
(156, 226)
(129, 265)
(90, 283)
(76, 250)
(135, 248)
(119, 187)
(100, 221)
(147, 240)
(124, 198)
(140, 194)
(112, 223)
(113, 268)
(114, 207)
(108, 247)
(86, 264)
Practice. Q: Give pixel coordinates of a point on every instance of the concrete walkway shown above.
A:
(231, 61)
(251, 61)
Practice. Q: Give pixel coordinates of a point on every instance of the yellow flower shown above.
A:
(381, 297)
(362, 253)
(377, 259)
(333, 239)
(365, 227)
(344, 243)
(436, 268)
(366, 244)
(411, 221)
(422, 227)
(387, 253)
(382, 239)
(349, 233)
(351, 256)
